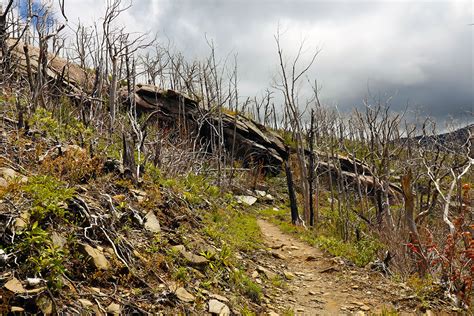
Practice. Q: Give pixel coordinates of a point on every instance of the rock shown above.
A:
(289, 275)
(15, 286)
(10, 175)
(3, 183)
(73, 151)
(219, 297)
(45, 304)
(184, 295)
(269, 274)
(22, 221)
(254, 274)
(254, 144)
(269, 198)
(96, 257)
(260, 193)
(246, 199)
(151, 222)
(34, 281)
(278, 255)
(190, 257)
(17, 309)
(113, 309)
(139, 195)
(58, 240)
(3, 257)
(85, 303)
(360, 313)
(218, 308)
(365, 308)
(272, 313)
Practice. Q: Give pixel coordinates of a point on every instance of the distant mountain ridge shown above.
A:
(450, 140)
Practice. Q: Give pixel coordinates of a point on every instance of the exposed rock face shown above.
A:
(250, 141)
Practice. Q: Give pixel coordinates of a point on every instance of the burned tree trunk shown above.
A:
(291, 193)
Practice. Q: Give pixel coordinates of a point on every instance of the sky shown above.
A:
(418, 52)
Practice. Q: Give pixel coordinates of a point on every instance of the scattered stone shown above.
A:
(355, 287)
(15, 286)
(365, 308)
(278, 255)
(269, 198)
(190, 257)
(17, 309)
(85, 303)
(258, 281)
(329, 269)
(73, 151)
(151, 222)
(289, 275)
(184, 295)
(360, 313)
(10, 175)
(218, 308)
(294, 248)
(139, 195)
(45, 304)
(254, 274)
(312, 293)
(260, 193)
(22, 221)
(269, 274)
(311, 258)
(219, 297)
(272, 313)
(33, 281)
(246, 199)
(113, 309)
(96, 257)
(58, 240)
(300, 309)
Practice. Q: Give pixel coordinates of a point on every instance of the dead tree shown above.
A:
(289, 79)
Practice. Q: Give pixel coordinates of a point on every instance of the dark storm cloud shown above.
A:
(421, 51)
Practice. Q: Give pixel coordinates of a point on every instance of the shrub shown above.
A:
(49, 197)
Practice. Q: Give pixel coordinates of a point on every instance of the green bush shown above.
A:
(49, 197)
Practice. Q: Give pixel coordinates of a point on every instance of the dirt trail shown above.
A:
(319, 285)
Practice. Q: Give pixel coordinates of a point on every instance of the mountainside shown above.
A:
(184, 196)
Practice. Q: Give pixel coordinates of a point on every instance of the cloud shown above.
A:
(421, 51)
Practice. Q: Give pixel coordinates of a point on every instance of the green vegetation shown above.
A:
(244, 284)
(48, 197)
(359, 252)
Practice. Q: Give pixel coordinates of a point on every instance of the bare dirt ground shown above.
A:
(320, 285)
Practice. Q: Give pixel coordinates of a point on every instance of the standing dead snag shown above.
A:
(288, 83)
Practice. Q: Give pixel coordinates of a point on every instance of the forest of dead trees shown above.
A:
(373, 168)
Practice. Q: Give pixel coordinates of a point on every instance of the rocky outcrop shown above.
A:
(252, 142)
